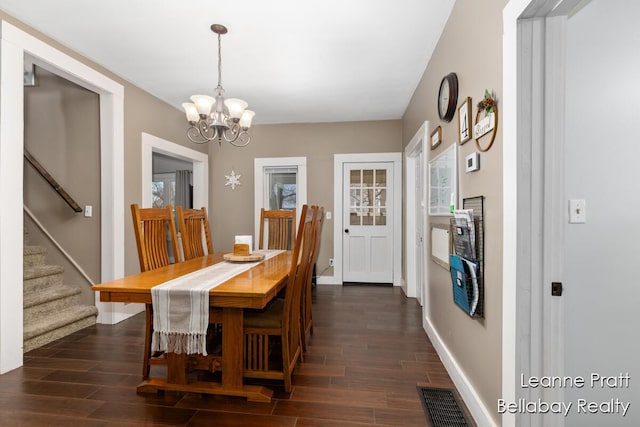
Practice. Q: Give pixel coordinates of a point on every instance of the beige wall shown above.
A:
(470, 46)
(62, 131)
(232, 211)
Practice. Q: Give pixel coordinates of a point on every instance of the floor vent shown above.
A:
(442, 407)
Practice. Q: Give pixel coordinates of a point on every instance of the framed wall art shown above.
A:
(436, 137)
(464, 121)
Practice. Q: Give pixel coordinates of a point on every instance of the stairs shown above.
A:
(51, 309)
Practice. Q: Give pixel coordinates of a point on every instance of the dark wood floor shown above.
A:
(367, 355)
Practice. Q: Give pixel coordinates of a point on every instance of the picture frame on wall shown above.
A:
(465, 128)
(436, 137)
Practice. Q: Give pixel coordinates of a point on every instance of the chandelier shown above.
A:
(215, 118)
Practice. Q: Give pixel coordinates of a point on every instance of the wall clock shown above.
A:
(448, 97)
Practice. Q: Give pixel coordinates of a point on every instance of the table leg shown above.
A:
(232, 367)
(232, 347)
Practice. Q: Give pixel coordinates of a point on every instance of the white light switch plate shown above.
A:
(577, 211)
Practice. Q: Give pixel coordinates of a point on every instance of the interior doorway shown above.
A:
(15, 45)
(342, 210)
(414, 188)
(546, 65)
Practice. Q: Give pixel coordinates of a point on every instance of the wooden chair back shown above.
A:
(193, 225)
(300, 265)
(280, 227)
(153, 227)
(306, 314)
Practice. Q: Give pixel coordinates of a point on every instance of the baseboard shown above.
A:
(480, 413)
(327, 280)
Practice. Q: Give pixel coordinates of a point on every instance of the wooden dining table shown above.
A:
(251, 289)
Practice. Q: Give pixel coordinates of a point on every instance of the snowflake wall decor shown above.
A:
(232, 179)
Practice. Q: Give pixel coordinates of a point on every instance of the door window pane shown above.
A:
(368, 197)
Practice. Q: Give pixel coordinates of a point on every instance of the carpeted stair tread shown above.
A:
(59, 320)
(34, 255)
(52, 293)
(36, 271)
(33, 250)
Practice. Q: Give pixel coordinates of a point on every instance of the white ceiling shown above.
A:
(294, 61)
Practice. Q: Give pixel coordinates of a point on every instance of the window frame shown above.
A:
(260, 164)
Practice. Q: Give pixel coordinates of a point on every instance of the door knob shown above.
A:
(346, 230)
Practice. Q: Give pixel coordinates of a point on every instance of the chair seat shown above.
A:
(269, 318)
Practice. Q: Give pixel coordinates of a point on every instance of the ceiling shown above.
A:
(293, 61)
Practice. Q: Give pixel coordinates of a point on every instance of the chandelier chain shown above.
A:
(219, 61)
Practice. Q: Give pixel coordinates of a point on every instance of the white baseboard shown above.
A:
(480, 413)
(327, 280)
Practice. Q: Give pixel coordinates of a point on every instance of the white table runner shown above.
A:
(181, 306)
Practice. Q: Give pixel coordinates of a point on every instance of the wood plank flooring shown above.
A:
(364, 361)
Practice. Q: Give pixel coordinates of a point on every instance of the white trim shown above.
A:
(519, 307)
(338, 161)
(153, 144)
(258, 189)
(11, 216)
(412, 158)
(480, 413)
(14, 46)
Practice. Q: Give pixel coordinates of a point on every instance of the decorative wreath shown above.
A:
(488, 105)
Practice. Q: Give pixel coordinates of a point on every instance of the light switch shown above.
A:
(577, 211)
(88, 211)
(328, 215)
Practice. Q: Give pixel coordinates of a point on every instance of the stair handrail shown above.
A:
(59, 246)
(52, 182)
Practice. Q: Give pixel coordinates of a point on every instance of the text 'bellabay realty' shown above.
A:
(581, 406)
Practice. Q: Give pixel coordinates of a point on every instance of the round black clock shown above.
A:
(448, 97)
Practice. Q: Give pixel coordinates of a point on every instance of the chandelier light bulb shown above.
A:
(245, 120)
(191, 111)
(236, 107)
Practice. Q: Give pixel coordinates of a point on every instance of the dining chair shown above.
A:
(306, 315)
(194, 225)
(280, 226)
(153, 227)
(272, 336)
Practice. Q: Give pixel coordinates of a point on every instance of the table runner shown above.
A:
(181, 306)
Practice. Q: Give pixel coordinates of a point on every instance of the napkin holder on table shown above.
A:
(242, 245)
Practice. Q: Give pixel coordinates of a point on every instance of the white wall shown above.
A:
(602, 289)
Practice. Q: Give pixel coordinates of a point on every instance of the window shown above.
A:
(281, 187)
(280, 183)
(163, 190)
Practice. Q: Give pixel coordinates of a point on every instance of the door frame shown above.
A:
(531, 319)
(15, 44)
(412, 165)
(338, 162)
(153, 144)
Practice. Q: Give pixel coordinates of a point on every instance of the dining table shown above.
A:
(253, 288)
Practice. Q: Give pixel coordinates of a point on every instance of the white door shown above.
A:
(601, 230)
(368, 223)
